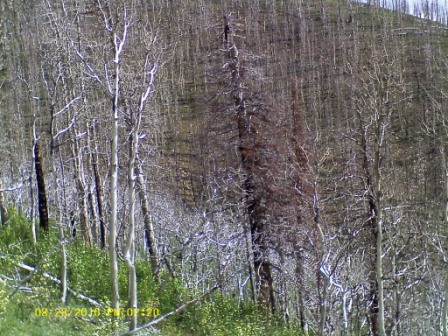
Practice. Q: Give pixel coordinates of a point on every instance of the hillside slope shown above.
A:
(293, 152)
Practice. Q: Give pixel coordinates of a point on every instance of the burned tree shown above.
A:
(41, 191)
(248, 148)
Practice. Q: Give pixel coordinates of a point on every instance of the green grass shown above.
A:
(32, 310)
(14, 324)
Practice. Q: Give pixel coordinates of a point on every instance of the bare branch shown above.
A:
(173, 312)
(49, 276)
(12, 188)
(66, 107)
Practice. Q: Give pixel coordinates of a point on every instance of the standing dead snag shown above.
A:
(41, 191)
(226, 29)
(3, 211)
(247, 149)
(149, 228)
(98, 189)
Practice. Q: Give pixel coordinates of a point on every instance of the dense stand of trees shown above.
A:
(290, 152)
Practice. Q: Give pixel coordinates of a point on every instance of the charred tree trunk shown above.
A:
(376, 310)
(41, 191)
(3, 210)
(373, 310)
(99, 202)
(300, 290)
(247, 151)
(98, 193)
(302, 197)
(373, 284)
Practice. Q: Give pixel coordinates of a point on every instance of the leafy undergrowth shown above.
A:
(36, 308)
(223, 316)
(18, 319)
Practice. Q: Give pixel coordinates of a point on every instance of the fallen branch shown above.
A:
(71, 291)
(182, 307)
(171, 313)
(28, 277)
(12, 188)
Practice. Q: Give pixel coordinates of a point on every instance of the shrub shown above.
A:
(3, 300)
(224, 316)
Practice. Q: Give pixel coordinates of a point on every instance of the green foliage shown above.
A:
(16, 241)
(172, 293)
(16, 231)
(20, 319)
(88, 273)
(224, 316)
(147, 287)
(3, 300)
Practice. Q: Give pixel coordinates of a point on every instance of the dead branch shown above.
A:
(173, 312)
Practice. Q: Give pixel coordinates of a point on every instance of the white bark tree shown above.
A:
(135, 120)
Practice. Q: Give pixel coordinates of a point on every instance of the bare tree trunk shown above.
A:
(63, 251)
(98, 193)
(129, 254)
(82, 193)
(133, 175)
(444, 317)
(262, 267)
(149, 228)
(378, 213)
(395, 298)
(41, 191)
(301, 160)
(373, 279)
(113, 176)
(33, 207)
(250, 264)
(3, 211)
(323, 281)
(118, 44)
(374, 199)
(445, 310)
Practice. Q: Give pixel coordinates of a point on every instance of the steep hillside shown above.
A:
(291, 153)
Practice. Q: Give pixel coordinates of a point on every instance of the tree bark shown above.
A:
(444, 317)
(445, 310)
(82, 194)
(129, 255)
(374, 197)
(149, 228)
(118, 44)
(41, 190)
(3, 211)
(98, 193)
(63, 251)
(113, 176)
(262, 267)
(133, 176)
